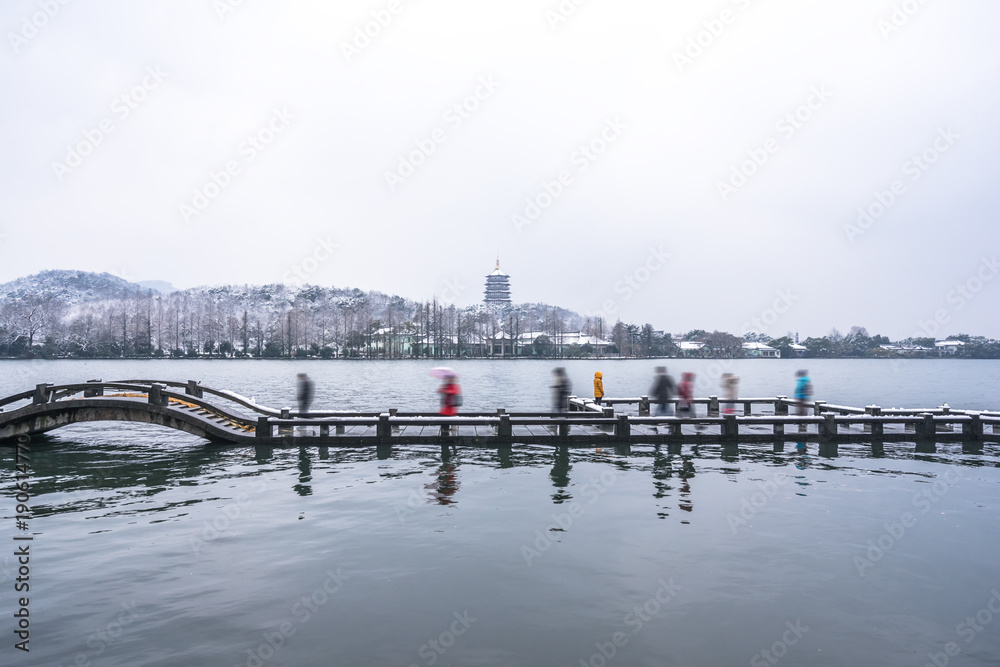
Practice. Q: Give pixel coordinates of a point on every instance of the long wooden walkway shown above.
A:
(226, 417)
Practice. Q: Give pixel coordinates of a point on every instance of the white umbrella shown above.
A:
(443, 373)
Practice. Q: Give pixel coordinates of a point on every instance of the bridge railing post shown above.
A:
(925, 428)
(156, 396)
(713, 406)
(781, 405)
(607, 413)
(644, 406)
(873, 411)
(42, 394)
(974, 427)
(504, 431)
(623, 431)
(828, 427)
(263, 427)
(382, 431)
(818, 407)
(730, 428)
(193, 389)
(97, 390)
(878, 428)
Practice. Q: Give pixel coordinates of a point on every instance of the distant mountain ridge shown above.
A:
(69, 287)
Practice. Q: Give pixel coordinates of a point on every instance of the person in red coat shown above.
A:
(451, 396)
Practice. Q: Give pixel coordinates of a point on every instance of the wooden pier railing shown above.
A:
(226, 417)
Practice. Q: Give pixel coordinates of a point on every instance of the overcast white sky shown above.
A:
(679, 129)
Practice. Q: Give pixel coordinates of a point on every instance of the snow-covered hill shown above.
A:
(69, 288)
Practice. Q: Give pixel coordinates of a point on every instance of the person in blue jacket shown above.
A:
(803, 392)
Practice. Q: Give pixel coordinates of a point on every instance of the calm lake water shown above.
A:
(152, 547)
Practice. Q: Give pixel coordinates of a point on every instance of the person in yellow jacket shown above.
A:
(598, 387)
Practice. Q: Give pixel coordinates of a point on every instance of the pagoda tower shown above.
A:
(497, 287)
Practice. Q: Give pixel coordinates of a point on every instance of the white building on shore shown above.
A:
(760, 351)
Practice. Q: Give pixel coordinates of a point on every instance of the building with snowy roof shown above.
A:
(691, 348)
(760, 351)
(945, 347)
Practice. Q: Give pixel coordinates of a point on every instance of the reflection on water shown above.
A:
(109, 471)
(560, 476)
(445, 484)
(216, 544)
(305, 473)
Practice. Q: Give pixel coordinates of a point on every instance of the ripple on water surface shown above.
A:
(182, 553)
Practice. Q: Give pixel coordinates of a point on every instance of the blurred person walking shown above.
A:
(304, 393)
(730, 390)
(662, 391)
(450, 391)
(685, 397)
(803, 392)
(560, 390)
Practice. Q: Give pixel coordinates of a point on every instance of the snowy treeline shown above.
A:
(81, 314)
(74, 314)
